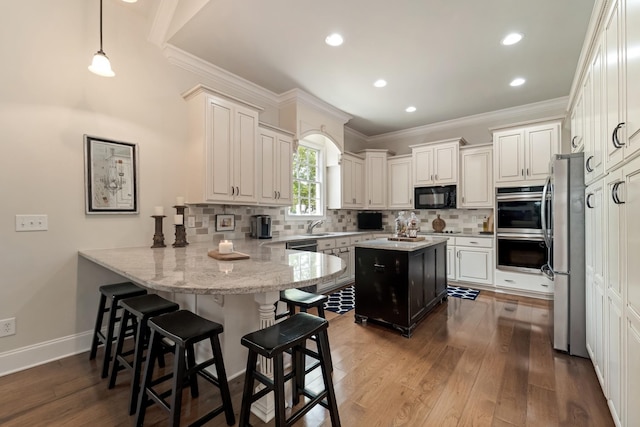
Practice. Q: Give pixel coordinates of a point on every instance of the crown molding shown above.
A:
(298, 95)
(549, 107)
(224, 80)
(161, 21)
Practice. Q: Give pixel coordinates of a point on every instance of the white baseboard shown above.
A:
(44, 352)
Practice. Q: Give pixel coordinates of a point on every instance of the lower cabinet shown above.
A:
(470, 259)
(398, 288)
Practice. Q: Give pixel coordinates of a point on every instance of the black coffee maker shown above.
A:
(261, 226)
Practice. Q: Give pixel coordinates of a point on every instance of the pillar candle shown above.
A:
(225, 247)
(178, 219)
(158, 211)
(180, 201)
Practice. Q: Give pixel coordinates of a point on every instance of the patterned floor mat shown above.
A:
(464, 293)
(342, 301)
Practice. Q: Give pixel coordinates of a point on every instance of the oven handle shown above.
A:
(517, 197)
(514, 236)
(543, 211)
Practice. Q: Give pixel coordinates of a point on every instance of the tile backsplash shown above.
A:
(463, 220)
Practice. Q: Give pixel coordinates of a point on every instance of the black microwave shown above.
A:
(438, 197)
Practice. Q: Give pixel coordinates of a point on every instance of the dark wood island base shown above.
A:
(398, 284)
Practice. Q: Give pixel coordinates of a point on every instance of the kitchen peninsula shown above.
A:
(223, 291)
(399, 282)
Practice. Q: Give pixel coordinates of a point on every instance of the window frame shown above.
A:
(323, 183)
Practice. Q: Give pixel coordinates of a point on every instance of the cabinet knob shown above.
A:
(527, 171)
(573, 141)
(614, 136)
(587, 164)
(233, 191)
(522, 172)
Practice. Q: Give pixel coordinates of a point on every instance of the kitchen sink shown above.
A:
(320, 234)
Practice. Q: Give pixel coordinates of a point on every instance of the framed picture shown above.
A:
(225, 222)
(111, 178)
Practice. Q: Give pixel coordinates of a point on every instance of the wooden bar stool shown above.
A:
(114, 293)
(137, 310)
(272, 342)
(185, 329)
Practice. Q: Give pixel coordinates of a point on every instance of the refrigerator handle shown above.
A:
(543, 212)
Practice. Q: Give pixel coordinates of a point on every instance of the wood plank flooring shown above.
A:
(488, 362)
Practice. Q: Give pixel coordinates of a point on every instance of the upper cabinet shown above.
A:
(400, 188)
(436, 163)
(221, 148)
(522, 155)
(476, 177)
(577, 124)
(375, 185)
(275, 150)
(352, 168)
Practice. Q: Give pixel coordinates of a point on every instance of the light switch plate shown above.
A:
(205, 221)
(191, 222)
(32, 222)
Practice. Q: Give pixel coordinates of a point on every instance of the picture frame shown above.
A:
(225, 222)
(111, 176)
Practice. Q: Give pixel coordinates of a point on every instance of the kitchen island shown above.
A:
(240, 294)
(398, 283)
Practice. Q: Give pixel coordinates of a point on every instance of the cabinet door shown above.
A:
(422, 166)
(474, 265)
(445, 164)
(376, 184)
(595, 162)
(244, 155)
(632, 83)
(614, 358)
(587, 100)
(613, 150)
(357, 184)
(509, 156)
(283, 178)
(631, 196)
(219, 151)
(632, 388)
(400, 188)
(267, 154)
(348, 196)
(476, 189)
(451, 263)
(541, 142)
(577, 123)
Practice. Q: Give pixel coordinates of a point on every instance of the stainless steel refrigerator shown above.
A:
(564, 236)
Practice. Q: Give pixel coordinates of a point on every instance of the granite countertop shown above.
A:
(395, 245)
(191, 270)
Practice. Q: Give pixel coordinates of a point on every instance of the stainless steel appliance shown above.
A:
(564, 235)
(519, 210)
(526, 253)
(260, 227)
(369, 220)
(438, 197)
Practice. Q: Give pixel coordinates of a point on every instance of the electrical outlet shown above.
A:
(32, 222)
(205, 221)
(474, 218)
(7, 327)
(191, 222)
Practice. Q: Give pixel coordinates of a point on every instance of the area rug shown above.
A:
(464, 293)
(341, 301)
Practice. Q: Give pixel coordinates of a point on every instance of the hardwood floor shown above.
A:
(487, 362)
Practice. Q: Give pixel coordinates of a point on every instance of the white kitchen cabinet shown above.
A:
(352, 182)
(476, 177)
(631, 98)
(221, 149)
(451, 262)
(522, 155)
(400, 194)
(594, 145)
(275, 151)
(375, 185)
(436, 163)
(474, 260)
(594, 269)
(534, 285)
(577, 123)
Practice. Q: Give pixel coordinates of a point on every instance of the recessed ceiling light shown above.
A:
(517, 81)
(380, 83)
(129, 1)
(410, 109)
(512, 38)
(334, 39)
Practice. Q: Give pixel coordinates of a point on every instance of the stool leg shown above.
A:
(193, 378)
(247, 393)
(100, 316)
(108, 340)
(119, 344)
(222, 381)
(154, 347)
(137, 362)
(298, 359)
(325, 354)
(321, 311)
(278, 382)
(178, 383)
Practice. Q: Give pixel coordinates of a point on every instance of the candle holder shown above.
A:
(158, 237)
(181, 233)
(181, 237)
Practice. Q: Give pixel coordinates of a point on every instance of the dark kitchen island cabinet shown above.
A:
(398, 283)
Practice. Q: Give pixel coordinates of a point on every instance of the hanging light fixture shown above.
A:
(100, 64)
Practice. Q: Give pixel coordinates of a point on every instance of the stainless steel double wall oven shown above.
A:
(519, 225)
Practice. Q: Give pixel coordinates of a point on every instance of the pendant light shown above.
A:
(100, 64)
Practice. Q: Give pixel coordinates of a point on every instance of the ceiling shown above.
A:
(442, 56)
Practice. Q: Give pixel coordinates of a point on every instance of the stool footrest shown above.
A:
(315, 399)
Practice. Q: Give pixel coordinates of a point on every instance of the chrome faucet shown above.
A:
(313, 225)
